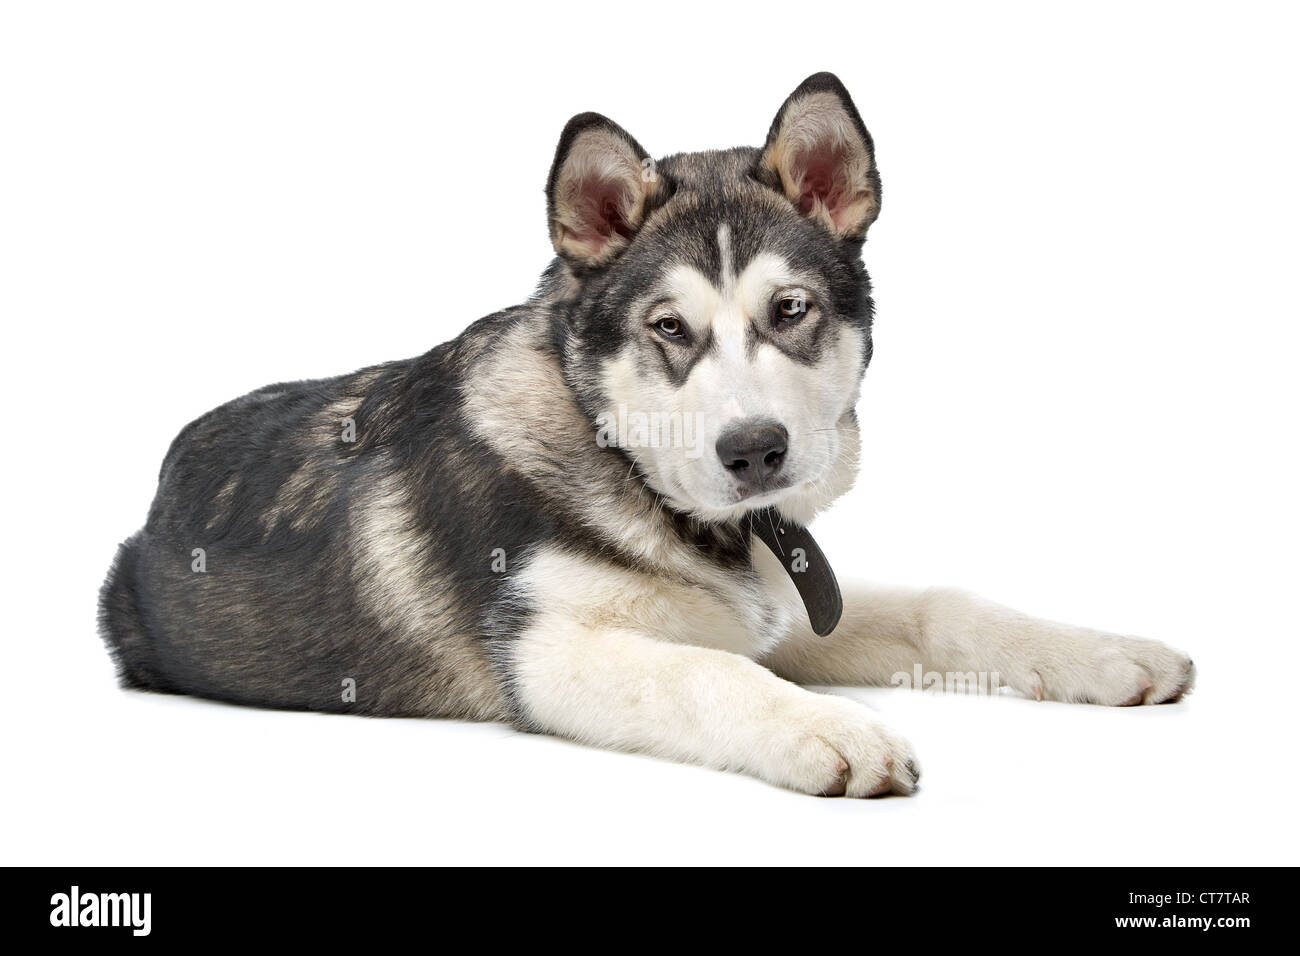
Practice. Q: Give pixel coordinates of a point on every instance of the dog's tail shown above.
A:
(121, 624)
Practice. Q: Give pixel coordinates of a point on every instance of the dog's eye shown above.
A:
(790, 309)
(670, 327)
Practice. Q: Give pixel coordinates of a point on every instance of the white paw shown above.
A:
(1096, 668)
(832, 747)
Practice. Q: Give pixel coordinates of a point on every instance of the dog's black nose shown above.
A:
(753, 450)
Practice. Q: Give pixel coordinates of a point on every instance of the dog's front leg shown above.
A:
(624, 690)
(889, 632)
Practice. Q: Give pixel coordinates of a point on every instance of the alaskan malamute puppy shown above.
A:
(586, 515)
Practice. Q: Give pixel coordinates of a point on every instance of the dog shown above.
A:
(587, 515)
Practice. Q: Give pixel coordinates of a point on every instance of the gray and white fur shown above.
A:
(500, 537)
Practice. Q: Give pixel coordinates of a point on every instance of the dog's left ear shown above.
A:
(601, 186)
(820, 155)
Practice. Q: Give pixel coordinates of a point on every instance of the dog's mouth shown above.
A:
(763, 494)
(733, 498)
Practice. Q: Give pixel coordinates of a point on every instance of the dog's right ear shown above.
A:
(601, 186)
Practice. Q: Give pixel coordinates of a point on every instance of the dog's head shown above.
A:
(717, 316)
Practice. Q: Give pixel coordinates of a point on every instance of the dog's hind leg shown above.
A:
(887, 636)
(627, 691)
(122, 626)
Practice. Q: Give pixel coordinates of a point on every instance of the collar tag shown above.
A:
(808, 568)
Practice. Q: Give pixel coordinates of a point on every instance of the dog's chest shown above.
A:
(744, 611)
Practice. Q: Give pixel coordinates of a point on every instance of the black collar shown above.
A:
(808, 568)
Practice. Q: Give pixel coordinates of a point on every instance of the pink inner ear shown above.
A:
(599, 205)
(822, 180)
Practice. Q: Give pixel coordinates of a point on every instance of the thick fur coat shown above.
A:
(547, 520)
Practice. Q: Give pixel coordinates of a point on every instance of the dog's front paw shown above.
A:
(1097, 668)
(832, 747)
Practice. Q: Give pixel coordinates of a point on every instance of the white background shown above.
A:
(1083, 401)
